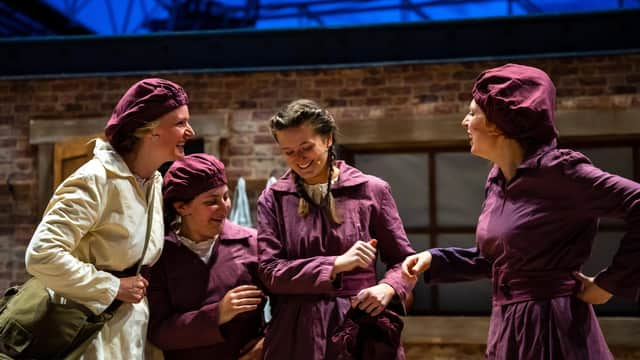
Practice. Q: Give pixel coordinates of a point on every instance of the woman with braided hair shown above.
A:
(321, 227)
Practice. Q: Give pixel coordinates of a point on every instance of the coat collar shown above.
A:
(349, 176)
(113, 162)
(531, 161)
(230, 232)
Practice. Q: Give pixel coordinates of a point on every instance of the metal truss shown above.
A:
(138, 16)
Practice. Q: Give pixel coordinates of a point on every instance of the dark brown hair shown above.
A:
(295, 114)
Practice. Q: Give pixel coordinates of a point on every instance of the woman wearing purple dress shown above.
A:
(315, 231)
(537, 225)
(203, 298)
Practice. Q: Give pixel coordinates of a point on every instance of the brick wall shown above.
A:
(249, 99)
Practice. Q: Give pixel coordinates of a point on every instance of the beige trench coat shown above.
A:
(96, 221)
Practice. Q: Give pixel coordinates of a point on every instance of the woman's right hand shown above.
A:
(132, 289)
(415, 264)
(361, 254)
(238, 300)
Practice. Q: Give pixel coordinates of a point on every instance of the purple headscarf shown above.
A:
(191, 176)
(145, 101)
(520, 100)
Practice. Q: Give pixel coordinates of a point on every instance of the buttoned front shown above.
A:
(95, 223)
(297, 255)
(533, 232)
(185, 292)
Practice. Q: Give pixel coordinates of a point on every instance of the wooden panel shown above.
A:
(618, 331)
(436, 130)
(56, 130)
(69, 155)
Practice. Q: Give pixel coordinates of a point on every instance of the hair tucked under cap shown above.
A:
(520, 100)
(145, 101)
(191, 176)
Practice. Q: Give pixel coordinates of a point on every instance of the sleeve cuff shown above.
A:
(110, 288)
(617, 286)
(397, 303)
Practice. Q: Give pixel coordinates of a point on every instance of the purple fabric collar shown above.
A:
(532, 161)
(230, 232)
(349, 176)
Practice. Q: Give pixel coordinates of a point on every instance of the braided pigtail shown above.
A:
(328, 201)
(305, 199)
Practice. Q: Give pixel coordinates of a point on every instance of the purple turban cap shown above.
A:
(520, 100)
(145, 101)
(191, 176)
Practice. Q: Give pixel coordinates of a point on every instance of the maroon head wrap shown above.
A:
(520, 100)
(145, 101)
(191, 176)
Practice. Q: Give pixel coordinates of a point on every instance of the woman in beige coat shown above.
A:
(93, 231)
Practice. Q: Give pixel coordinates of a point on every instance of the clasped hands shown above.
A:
(372, 300)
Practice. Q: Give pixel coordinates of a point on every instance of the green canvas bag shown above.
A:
(32, 326)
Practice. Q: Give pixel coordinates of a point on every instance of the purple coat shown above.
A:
(532, 234)
(297, 256)
(184, 293)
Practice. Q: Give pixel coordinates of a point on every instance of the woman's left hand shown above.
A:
(590, 292)
(374, 299)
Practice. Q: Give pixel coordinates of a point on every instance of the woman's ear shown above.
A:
(329, 140)
(182, 208)
(492, 128)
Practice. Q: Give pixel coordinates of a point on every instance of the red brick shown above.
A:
(377, 101)
(447, 108)
(245, 104)
(426, 98)
(333, 102)
(240, 150)
(22, 108)
(328, 83)
(442, 87)
(373, 81)
(390, 91)
(624, 89)
(357, 92)
(592, 80)
(633, 79)
(615, 68)
(263, 139)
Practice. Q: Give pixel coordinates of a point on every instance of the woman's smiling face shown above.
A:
(305, 152)
(481, 132)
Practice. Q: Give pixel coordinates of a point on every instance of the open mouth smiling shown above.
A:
(304, 166)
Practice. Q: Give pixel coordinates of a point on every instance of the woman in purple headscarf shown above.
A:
(203, 296)
(317, 256)
(93, 231)
(537, 226)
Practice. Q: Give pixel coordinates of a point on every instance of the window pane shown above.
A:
(604, 247)
(460, 179)
(422, 291)
(472, 297)
(408, 175)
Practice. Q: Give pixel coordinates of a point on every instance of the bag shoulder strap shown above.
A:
(150, 210)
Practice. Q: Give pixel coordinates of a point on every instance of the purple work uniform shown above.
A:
(297, 255)
(535, 231)
(184, 294)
